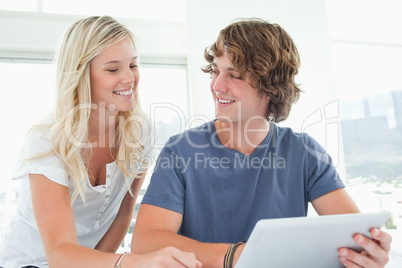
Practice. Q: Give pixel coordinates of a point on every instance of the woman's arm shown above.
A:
(55, 220)
(118, 230)
(157, 228)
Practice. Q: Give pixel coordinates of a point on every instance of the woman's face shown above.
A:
(115, 76)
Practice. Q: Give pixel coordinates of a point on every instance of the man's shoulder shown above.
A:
(291, 137)
(287, 132)
(294, 143)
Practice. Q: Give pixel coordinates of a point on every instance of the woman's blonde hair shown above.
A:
(82, 42)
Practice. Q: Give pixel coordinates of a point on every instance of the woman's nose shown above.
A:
(128, 77)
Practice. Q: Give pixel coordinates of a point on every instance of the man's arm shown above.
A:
(335, 202)
(376, 250)
(157, 228)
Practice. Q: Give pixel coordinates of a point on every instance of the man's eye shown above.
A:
(113, 70)
(213, 73)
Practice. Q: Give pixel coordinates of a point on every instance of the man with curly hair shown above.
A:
(213, 183)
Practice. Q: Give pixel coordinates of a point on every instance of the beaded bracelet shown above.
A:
(228, 260)
(118, 262)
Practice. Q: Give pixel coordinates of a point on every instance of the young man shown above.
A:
(212, 183)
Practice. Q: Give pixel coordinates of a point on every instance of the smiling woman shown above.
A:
(39, 97)
(68, 176)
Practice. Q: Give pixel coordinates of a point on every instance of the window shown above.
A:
(366, 54)
(163, 93)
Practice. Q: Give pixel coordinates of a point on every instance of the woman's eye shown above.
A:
(112, 70)
(133, 66)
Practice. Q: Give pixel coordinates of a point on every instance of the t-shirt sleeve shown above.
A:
(167, 187)
(322, 175)
(38, 142)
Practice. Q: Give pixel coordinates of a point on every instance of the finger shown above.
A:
(163, 258)
(347, 263)
(173, 263)
(382, 238)
(187, 259)
(374, 250)
(364, 253)
(352, 259)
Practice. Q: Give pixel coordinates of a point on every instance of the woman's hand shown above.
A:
(168, 257)
(375, 253)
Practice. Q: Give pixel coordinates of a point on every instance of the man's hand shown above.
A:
(375, 253)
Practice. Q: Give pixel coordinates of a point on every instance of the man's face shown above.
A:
(236, 100)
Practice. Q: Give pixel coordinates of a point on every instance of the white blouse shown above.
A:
(22, 244)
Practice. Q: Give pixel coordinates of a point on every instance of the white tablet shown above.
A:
(306, 241)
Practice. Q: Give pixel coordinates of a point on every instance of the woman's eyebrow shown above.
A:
(118, 61)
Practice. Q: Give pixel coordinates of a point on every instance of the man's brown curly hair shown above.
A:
(269, 54)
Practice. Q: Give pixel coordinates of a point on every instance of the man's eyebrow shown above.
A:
(231, 69)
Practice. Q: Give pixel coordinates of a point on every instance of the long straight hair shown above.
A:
(82, 42)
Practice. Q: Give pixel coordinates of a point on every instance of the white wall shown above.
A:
(306, 22)
(37, 35)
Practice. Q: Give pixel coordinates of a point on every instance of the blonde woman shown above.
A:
(82, 169)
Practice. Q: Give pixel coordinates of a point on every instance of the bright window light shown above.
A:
(366, 55)
(172, 10)
(20, 5)
(365, 20)
(30, 91)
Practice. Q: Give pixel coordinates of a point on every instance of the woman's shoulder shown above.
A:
(37, 140)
